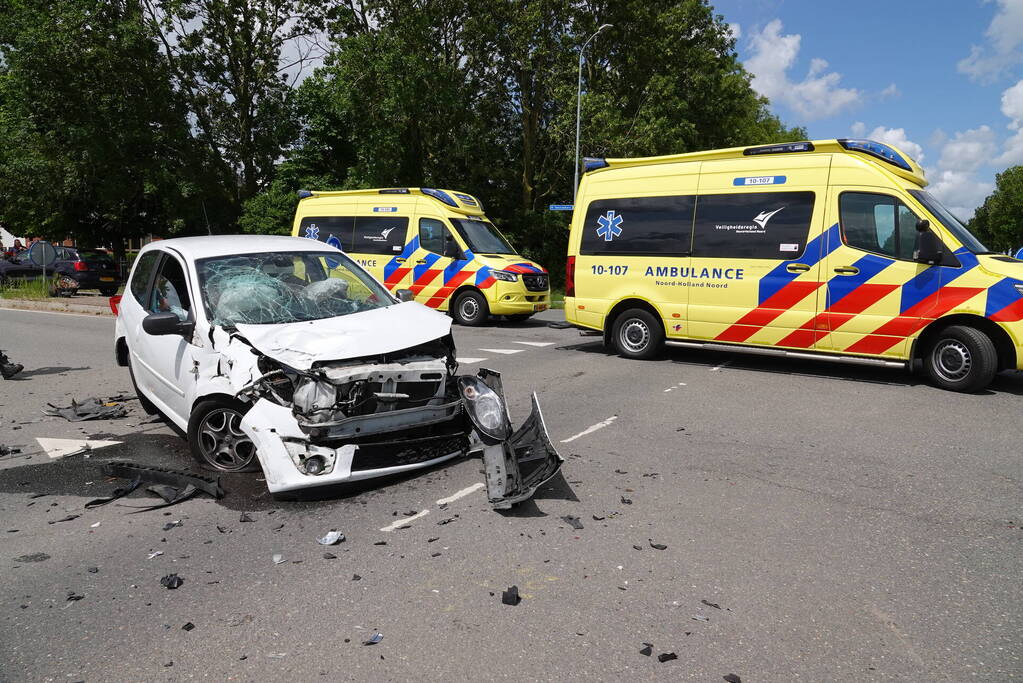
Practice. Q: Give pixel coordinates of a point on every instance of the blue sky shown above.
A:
(942, 80)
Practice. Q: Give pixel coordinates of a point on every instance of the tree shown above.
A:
(999, 221)
(88, 151)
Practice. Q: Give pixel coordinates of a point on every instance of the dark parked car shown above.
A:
(90, 269)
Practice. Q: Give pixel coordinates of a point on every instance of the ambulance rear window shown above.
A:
(655, 226)
(757, 225)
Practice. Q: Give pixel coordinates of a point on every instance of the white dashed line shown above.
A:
(537, 344)
(590, 430)
(718, 367)
(469, 361)
(405, 520)
(680, 384)
(461, 494)
(506, 352)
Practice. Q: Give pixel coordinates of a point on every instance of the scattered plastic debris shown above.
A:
(656, 546)
(573, 522)
(117, 493)
(626, 501)
(380, 543)
(648, 649)
(711, 604)
(161, 475)
(732, 678)
(33, 557)
(446, 521)
(597, 518)
(74, 597)
(356, 577)
(637, 547)
(89, 409)
(374, 639)
(329, 556)
(224, 529)
(666, 657)
(96, 525)
(155, 553)
(9, 450)
(700, 617)
(63, 519)
(278, 558)
(171, 581)
(170, 525)
(93, 570)
(511, 596)
(188, 626)
(245, 518)
(333, 537)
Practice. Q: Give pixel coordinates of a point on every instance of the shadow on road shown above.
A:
(49, 370)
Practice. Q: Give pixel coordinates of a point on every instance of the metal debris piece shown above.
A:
(711, 604)
(89, 409)
(511, 596)
(666, 657)
(573, 522)
(648, 649)
(224, 529)
(155, 553)
(374, 639)
(333, 537)
(170, 525)
(171, 581)
(161, 475)
(656, 546)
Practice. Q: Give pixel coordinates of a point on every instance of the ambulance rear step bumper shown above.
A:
(786, 353)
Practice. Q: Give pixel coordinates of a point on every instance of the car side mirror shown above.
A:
(405, 295)
(929, 247)
(923, 225)
(159, 324)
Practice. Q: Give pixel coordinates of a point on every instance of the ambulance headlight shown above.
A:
(485, 408)
(504, 275)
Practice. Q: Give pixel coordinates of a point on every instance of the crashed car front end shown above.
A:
(373, 416)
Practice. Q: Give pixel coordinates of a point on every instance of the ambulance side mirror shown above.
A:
(929, 247)
(451, 249)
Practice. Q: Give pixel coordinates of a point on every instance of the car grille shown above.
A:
(535, 283)
(372, 456)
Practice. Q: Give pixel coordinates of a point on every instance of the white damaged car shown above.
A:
(283, 354)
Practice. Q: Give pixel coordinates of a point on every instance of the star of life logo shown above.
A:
(312, 232)
(609, 226)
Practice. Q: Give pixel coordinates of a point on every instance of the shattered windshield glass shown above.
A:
(285, 287)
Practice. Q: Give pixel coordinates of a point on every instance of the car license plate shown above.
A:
(106, 279)
(539, 307)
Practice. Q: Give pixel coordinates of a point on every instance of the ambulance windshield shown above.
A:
(482, 237)
(951, 223)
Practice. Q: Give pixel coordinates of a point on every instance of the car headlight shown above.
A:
(504, 275)
(486, 409)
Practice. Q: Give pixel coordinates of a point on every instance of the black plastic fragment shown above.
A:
(161, 475)
(656, 546)
(598, 519)
(170, 525)
(626, 501)
(168, 493)
(732, 678)
(89, 409)
(188, 627)
(34, 557)
(374, 639)
(356, 577)
(711, 604)
(63, 519)
(573, 522)
(511, 596)
(329, 556)
(73, 596)
(648, 649)
(666, 657)
(171, 581)
(117, 493)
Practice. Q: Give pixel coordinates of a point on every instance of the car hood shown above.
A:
(1005, 266)
(381, 330)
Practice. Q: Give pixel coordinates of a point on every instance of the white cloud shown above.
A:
(1005, 36)
(896, 137)
(968, 150)
(1012, 105)
(891, 91)
(735, 30)
(816, 96)
(858, 129)
(955, 181)
(961, 192)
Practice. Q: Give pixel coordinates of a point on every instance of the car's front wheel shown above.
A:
(961, 359)
(471, 309)
(216, 438)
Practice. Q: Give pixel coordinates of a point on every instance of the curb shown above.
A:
(54, 307)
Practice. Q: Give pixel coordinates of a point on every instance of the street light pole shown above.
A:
(578, 108)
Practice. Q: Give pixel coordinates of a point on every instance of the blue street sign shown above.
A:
(561, 207)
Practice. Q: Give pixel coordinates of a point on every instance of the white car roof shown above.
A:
(193, 248)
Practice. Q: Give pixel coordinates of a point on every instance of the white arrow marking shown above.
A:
(461, 494)
(405, 520)
(506, 352)
(590, 430)
(469, 361)
(61, 448)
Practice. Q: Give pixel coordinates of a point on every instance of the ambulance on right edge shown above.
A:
(825, 249)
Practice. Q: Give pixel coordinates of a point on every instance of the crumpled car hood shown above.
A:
(381, 330)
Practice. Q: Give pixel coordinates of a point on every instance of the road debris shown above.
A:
(170, 525)
(656, 546)
(74, 597)
(573, 522)
(155, 553)
(245, 518)
(329, 556)
(732, 678)
(90, 409)
(9, 450)
(511, 596)
(278, 558)
(700, 617)
(711, 604)
(160, 475)
(626, 501)
(33, 557)
(356, 577)
(171, 581)
(333, 537)
(374, 639)
(666, 657)
(63, 519)
(116, 494)
(648, 649)
(188, 626)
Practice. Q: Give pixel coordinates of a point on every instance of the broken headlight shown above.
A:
(486, 409)
(315, 399)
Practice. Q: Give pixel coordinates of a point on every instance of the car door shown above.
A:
(167, 360)
(877, 296)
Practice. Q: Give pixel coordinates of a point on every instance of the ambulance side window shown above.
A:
(756, 225)
(337, 231)
(431, 235)
(877, 223)
(655, 226)
(379, 234)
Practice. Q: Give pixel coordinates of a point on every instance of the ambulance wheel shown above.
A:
(470, 309)
(637, 334)
(216, 439)
(961, 359)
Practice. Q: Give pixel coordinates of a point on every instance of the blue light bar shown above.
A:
(784, 148)
(877, 149)
(395, 190)
(468, 200)
(593, 163)
(439, 194)
(304, 194)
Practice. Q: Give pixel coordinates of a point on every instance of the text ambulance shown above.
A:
(827, 249)
(436, 243)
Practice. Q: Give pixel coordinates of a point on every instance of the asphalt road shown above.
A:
(847, 524)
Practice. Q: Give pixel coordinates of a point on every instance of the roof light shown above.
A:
(783, 148)
(593, 163)
(304, 194)
(395, 190)
(879, 150)
(439, 194)
(467, 199)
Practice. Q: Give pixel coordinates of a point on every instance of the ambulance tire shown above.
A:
(470, 309)
(961, 359)
(637, 334)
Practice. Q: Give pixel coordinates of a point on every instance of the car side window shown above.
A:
(755, 225)
(170, 291)
(432, 234)
(877, 223)
(140, 278)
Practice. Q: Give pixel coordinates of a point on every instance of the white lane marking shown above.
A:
(461, 494)
(590, 430)
(537, 344)
(404, 520)
(718, 367)
(61, 448)
(503, 351)
(99, 316)
(680, 384)
(470, 361)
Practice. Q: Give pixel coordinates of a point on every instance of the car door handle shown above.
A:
(421, 261)
(797, 268)
(399, 260)
(847, 270)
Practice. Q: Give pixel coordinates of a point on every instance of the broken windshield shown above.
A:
(285, 287)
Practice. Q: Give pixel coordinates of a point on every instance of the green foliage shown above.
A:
(999, 222)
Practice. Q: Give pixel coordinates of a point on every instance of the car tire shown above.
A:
(107, 291)
(470, 309)
(519, 317)
(961, 359)
(146, 404)
(637, 334)
(216, 439)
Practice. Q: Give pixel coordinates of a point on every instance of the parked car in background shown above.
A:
(90, 268)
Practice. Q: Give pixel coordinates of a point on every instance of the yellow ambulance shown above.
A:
(825, 249)
(438, 244)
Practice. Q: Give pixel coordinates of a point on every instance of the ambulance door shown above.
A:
(876, 295)
(440, 265)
